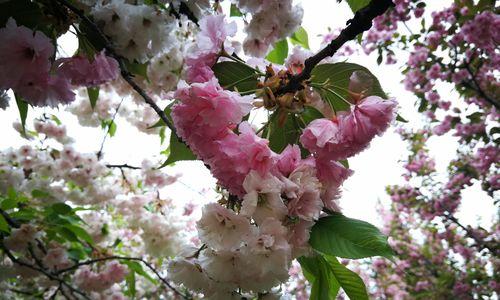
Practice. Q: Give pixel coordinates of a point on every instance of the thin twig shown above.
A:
(147, 264)
(44, 272)
(123, 166)
(99, 153)
(361, 22)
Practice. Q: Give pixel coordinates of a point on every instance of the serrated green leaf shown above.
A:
(335, 80)
(235, 76)
(318, 273)
(338, 235)
(4, 226)
(350, 282)
(39, 194)
(178, 151)
(22, 106)
(137, 267)
(281, 136)
(80, 233)
(130, 280)
(93, 93)
(279, 52)
(61, 208)
(300, 37)
(234, 11)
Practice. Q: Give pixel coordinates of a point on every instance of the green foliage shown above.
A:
(235, 76)
(324, 285)
(279, 53)
(332, 82)
(338, 235)
(93, 93)
(137, 268)
(350, 282)
(300, 37)
(356, 5)
(234, 11)
(137, 68)
(327, 275)
(4, 226)
(178, 151)
(22, 106)
(25, 12)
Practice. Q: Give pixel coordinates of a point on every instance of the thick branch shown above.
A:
(361, 22)
(124, 72)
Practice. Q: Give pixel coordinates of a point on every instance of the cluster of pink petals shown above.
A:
(211, 40)
(81, 71)
(88, 280)
(205, 118)
(25, 66)
(350, 133)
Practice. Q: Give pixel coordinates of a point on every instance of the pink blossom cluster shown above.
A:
(83, 72)
(481, 31)
(210, 42)
(421, 163)
(25, 61)
(89, 280)
(280, 195)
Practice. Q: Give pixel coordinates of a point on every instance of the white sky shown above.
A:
(374, 168)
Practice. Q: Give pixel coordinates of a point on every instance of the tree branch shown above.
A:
(93, 261)
(123, 166)
(476, 87)
(362, 21)
(126, 75)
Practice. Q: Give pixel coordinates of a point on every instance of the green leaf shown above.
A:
(356, 5)
(338, 235)
(130, 280)
(93, 93)
(137, 68)
(178, 151)
(80, 233)
(40, 194)
(137, 267)
(61, 208)
(235, 76)
(399, 118)
(335, 79)
(300, 37)
(67, 234)
(23, 111)
(279, 53)
(281, 136)
(4, 226)
(310, 114)
(350, 282)
(112, 128)
(235, 11)
(317, 272)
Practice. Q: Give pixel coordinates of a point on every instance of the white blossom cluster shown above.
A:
(138, 32)
(271, 21)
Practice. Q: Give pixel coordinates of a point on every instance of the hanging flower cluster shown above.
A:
(250, 243)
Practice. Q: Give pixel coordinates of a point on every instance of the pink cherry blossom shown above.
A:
(81, 71)
(22, 53)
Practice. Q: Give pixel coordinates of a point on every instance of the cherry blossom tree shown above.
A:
(274, 127)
